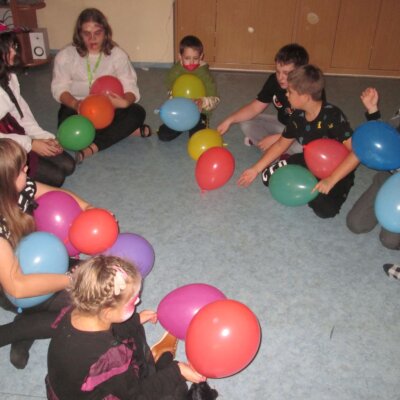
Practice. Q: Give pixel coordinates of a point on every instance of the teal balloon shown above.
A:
(40, 253)
(387, 204)
(291, 185)
(76, 133)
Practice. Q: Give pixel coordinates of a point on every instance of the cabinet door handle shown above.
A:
(250, 29)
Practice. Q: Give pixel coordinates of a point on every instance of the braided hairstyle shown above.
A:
(94, 280)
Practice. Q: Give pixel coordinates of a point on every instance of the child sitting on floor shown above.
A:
(361, 218)
(191, 55)
(312, 119)
(99, 349)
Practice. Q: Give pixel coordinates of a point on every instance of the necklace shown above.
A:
(91, 73)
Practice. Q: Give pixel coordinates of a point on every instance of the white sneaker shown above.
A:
(248, 141)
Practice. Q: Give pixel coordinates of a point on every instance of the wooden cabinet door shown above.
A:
(316, 27)
(273, 24)
(386, 49)
(233, 39)
(193, 17)
(355, 33)
(251, 32)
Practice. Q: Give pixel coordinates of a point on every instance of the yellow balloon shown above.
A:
(202, 141)
(188, 86)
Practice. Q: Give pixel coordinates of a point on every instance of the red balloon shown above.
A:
(214, 168)
(93, 231)
(107, 84)
(222, 339)
(323, 156)
(98, 109)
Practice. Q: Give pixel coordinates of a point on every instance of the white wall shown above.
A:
(143, 28)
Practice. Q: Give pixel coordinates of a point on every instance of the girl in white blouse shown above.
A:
(91, 55)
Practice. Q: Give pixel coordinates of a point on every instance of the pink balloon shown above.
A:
(323, 156)
(55, 213)
(177, 308)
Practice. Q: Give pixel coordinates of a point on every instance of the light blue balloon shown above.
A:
(387, 204)
(180, 114)
(377, 145)
(38, 253)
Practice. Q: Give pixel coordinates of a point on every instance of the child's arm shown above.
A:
(148, 315)
(247, 112)
(173, 73)
(349, 164)
(211, 100)
(42, 189)
(276, 150)
(18, 285)
(370, 98)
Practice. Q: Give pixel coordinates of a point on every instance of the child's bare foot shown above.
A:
(143, 131)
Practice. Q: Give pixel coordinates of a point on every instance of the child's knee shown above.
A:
(324, 207)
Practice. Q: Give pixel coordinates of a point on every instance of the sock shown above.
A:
(392, 270)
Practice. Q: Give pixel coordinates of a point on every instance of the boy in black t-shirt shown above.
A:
(264, 129)
(312, 119)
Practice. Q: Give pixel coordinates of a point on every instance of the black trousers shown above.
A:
(125, 122)
(53, 170)
(166, 134)
(33, 323)
(327, 205)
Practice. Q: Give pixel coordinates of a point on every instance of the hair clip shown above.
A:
(119, 280)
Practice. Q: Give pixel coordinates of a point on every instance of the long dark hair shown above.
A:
(96, 16)
(9, 40)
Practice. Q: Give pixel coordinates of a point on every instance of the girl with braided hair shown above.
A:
(99, 349)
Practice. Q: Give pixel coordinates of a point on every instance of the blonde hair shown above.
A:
(307, 79)
(13, 159)
(94, 283)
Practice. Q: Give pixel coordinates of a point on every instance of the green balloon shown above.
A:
(76, 133)
(291, 185)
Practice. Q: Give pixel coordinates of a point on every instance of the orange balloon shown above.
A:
(93, 231)
(98, 109)
(222, 338)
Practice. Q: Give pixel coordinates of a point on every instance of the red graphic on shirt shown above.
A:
(276, 102)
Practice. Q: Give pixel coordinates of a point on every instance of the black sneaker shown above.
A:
(266, 174)
(392, 270)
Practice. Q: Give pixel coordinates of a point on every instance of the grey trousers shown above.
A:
(361, 218)
(264, 125)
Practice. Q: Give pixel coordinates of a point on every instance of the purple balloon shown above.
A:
(55, 213)
(176, 309)
(135, 249)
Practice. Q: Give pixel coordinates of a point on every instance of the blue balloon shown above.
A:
(180, 114)
(377, 145)
(387, 204)
(38, 253)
